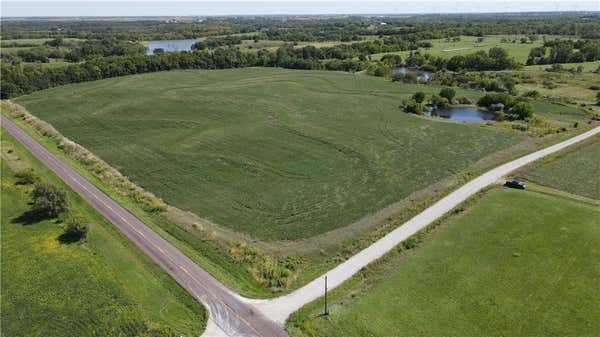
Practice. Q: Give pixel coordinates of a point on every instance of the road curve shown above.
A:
(228, 314)
(280, 308)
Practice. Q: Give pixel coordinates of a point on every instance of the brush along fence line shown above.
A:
(148, 201)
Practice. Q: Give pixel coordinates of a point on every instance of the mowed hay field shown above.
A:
(518, 263)
(469, 44)
(278, 154)
(575, 171)
(101, 287)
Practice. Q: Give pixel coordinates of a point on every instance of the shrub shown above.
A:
(522, 110)
(75, 230)
(49, 200)
(499, 115)
(419, 97)
(411, 106)
(520, 127)
(464, 100)
(270, 272)
(495, 98)
(26, 177)
(410, 243)
(392, 59)
(448, 93)
(532, 94)
(439, 101)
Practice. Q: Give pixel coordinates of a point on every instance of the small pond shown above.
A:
(170, 45)
(421, 75)
(462, 114)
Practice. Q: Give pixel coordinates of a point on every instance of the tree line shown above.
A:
(346, 29)
(18, 78)
(565, 51)
(21, 78)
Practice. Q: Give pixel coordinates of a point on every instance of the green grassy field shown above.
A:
(279, 154)
(574, 171)
(587, 66)
(577, 86)
(102, 287)
(558, 112)
(517, 263)
(468, 45)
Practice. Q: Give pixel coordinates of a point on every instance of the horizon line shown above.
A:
(305, 14)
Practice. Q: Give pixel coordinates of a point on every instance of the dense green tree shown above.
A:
(448, 93)
(49, 200)
(419, 97)
(522, 110)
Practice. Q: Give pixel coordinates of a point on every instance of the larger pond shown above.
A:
(170, 45)
(462, 114)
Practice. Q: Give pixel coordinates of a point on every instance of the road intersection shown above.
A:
(233, 315)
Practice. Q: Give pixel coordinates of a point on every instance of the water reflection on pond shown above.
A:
(170, 45)
(423, 76)
(462, 114)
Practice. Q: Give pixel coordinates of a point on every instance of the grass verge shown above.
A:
(100, 287)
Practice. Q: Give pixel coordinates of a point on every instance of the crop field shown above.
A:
(576, 171)
(102, 287)
(469, 44)
(516, 263)
(279, 154)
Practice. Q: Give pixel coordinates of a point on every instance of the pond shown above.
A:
(462, 114)
(170, 45)
(421, 75)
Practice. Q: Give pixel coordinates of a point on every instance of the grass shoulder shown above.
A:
(64, 287)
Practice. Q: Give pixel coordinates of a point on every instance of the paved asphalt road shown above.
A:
(229, 315)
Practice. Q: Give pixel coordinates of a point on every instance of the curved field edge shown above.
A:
(103, 286)
(275, 154)
(205, 247)
(509, 258)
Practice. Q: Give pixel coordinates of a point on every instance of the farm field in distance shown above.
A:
(278, 154)
(101, 287)
(513, 254)
(470, 44)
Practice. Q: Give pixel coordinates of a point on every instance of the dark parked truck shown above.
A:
(515, 184)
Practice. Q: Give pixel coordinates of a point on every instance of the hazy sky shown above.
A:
(201, 8)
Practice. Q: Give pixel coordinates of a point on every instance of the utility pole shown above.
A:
(326, 310)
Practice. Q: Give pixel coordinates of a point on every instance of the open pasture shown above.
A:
(278, 154)
(470, 44)
(517, 263)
